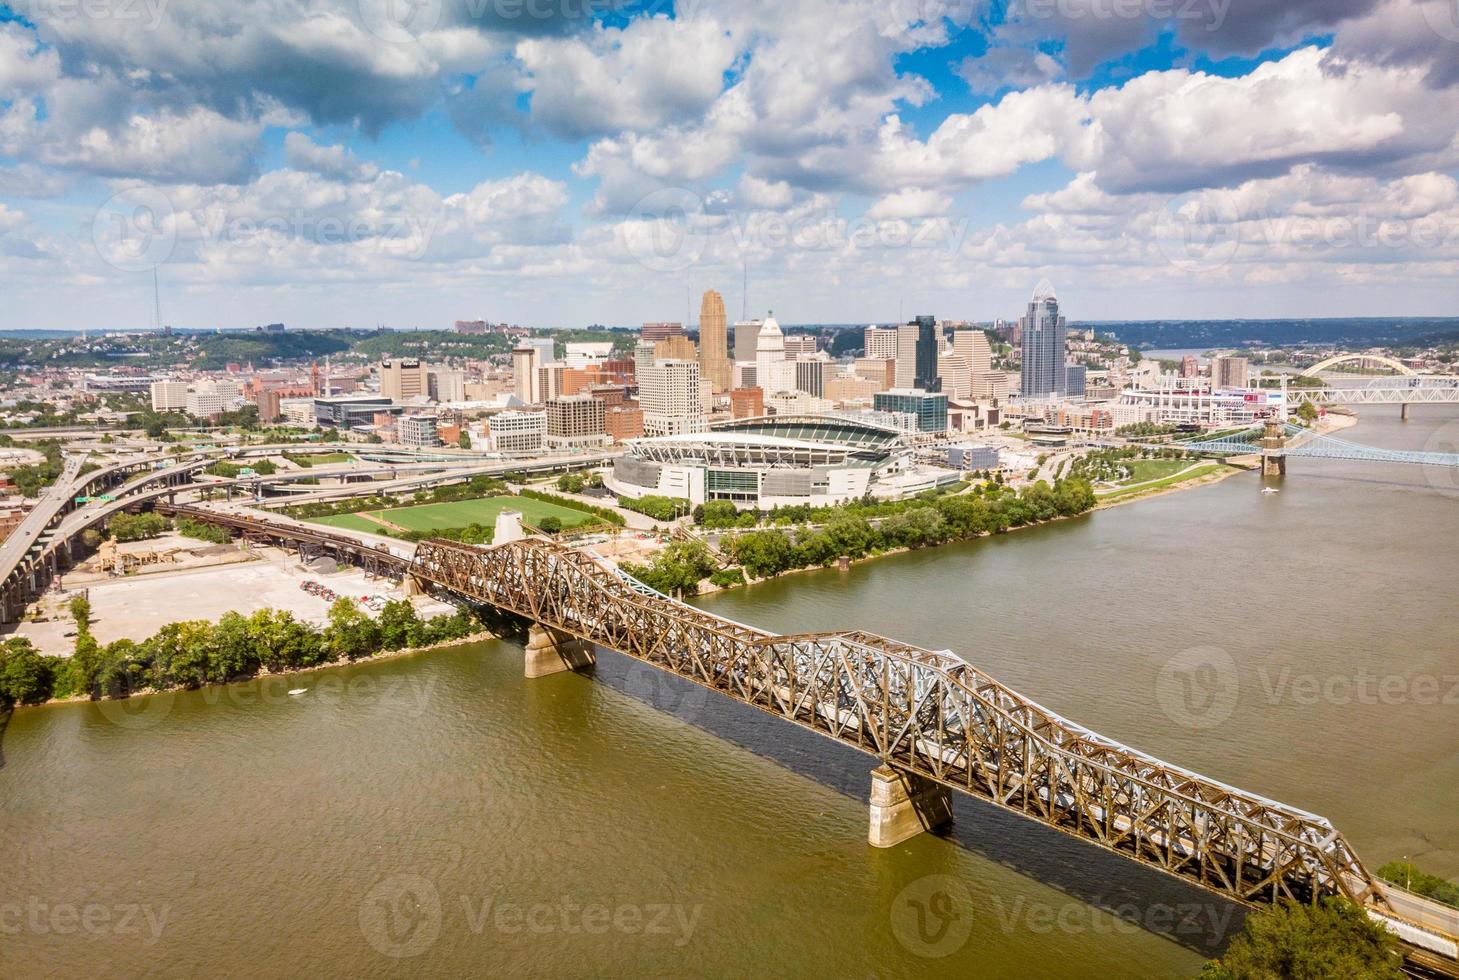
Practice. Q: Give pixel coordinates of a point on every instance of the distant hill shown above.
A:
(1336, 331)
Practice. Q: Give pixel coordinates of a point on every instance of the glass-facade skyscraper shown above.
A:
(1044, 372)
(925, 377)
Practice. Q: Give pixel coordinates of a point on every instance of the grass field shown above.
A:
(458, 514)
(1160, 484)
(319, 459)
(349, 522)
(1145, 470)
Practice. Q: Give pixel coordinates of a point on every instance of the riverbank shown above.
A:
(1199, 475)
(475, 637)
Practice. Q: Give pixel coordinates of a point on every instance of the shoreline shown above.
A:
(478, 637)
(1332, 422)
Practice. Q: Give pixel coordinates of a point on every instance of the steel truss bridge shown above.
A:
(1300, 442)
(926, 713)
(1419, 390)
(933, 715)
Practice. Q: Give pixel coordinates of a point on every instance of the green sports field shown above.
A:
(458, 514)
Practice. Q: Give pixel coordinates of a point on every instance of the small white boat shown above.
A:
(1270, 490)
(297, 691)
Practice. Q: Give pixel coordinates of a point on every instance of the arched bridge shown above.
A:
(1397, 366)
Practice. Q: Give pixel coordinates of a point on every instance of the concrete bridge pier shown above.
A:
(904, 805)
(1403, 411)
(551, 651)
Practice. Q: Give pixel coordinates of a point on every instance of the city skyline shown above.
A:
(550, 172)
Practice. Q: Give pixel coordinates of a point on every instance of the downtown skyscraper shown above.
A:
(1044, 373)
(715, 366)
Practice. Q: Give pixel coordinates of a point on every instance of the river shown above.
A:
(438, 815)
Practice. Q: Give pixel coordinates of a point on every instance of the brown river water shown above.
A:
(438, 815)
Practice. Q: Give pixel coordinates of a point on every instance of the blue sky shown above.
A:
(564, 162)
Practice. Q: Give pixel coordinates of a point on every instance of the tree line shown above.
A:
(194, 653)
(847, 532)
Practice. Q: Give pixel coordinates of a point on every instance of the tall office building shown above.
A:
(917, 354)
(880, 343)
(678, 348)
(524, 373)
(1044, 372)
(906, 355)
(403, 378)
(669, 394)
(972, 346)
(800, 345)
(811, 374)
(715, 367)
(773, 373)
(924, 377)
(747, 340)
(1230, 372)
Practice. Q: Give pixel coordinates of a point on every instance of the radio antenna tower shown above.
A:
(156, 302)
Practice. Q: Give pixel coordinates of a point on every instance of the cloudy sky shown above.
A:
(564, 162)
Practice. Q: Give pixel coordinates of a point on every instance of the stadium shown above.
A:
(761, 463)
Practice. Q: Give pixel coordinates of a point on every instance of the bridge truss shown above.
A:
(1302, 443)
(931, 714)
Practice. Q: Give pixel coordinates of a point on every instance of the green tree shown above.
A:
(233, 653)
(677, 570)
(550, 525)
(764, 553)
(398, 622)
(350, 633)
(1307, 412)
(25, 676)
(1303, 942)
(465, 441)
